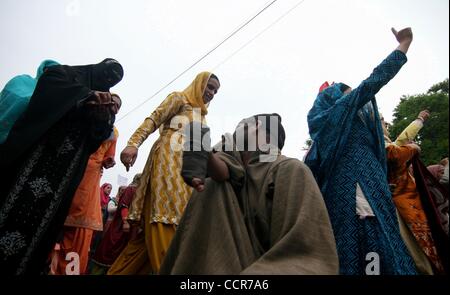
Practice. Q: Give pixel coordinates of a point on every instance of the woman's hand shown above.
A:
(424, 115)
(198, 184)
(404, 37)
(128, 156)
(108, 163)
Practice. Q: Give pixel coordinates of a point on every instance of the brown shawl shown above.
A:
(269, 218)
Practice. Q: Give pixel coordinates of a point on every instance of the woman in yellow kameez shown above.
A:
(162, 195)
(406, 196)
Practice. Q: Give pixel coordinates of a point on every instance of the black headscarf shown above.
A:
(45, 156)
(58, 91)
(101, 76)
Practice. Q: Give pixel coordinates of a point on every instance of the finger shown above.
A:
(133, 159)
(105, 97)
(100, 97)
(200, 188)
(394, 31)
(196, 182)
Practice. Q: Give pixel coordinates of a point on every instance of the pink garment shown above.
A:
(104, 198)
(437, 170)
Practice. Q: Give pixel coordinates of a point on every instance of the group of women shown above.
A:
(47, 158)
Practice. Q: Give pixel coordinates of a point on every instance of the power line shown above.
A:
(201, 58)
(259, 34)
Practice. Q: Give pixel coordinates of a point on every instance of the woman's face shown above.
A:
(210, 90)
(107, 189)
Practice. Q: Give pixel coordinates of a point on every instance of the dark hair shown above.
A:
(343, 87)
(214, 77)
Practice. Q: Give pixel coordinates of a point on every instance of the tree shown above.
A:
(439, 87)
(433, 138)
(308, 144)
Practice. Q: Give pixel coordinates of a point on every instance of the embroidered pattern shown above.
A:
(65, 147)
(40, 187)
(11, 243)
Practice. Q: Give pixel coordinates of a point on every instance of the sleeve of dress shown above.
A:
(380, 76)
(111, 152)
(124, 213)
(401, 154)
(301, 237)
(164, 112)
(409, 133)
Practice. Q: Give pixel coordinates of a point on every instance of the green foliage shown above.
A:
(308, 144)
(440, 87)
(433, 138)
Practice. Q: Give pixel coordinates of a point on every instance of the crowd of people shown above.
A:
(360, 203)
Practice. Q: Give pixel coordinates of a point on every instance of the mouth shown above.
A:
(208, 98)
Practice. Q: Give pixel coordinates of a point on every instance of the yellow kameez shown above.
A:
(416, 232)
(409, 133)
(162, 195)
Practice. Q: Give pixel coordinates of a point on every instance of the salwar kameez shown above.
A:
(162, 194)
(347, 152)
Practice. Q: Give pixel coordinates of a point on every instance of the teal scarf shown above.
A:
(15, 96)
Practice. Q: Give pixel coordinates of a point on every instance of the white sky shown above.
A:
(280, 71)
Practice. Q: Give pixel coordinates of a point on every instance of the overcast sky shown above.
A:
(280, 71)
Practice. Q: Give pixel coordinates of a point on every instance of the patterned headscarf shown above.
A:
(329, 129)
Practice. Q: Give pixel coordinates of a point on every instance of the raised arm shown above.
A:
(387, 70)
(404, 38)
(410, 132)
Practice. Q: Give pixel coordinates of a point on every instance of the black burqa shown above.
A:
(45, 156)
